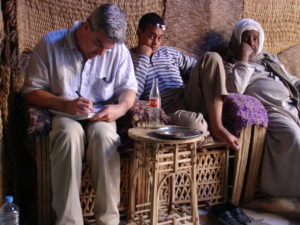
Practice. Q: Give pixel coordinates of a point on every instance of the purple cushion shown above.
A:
(240, 110)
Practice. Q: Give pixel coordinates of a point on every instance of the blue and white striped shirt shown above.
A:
(170, 66)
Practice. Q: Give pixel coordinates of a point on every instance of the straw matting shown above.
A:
(291, 58)
(1, 125)
(1, 30)
(189, 21)
(279, 19)
(4, 92)
(37, 17)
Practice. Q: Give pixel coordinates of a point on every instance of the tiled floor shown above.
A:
(266, 211)
(274, 211)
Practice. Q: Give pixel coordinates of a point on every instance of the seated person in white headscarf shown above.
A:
(252, 72)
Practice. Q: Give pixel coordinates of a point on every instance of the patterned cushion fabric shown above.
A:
(240, 110)
(38, 120)
(139, 113)
(137, 116)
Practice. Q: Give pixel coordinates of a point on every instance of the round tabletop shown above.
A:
(147, 134)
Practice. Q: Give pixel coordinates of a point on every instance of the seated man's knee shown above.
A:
(67, 139)
(103, 131)
(190, 119)
(212, 56)
(66, 129)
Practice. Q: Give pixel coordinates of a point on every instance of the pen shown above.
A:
(96, 103)
(77, 92)
(79, 95)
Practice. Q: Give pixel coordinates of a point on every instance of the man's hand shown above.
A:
(246, 52)
(112, 112)
(144, 49)
(45, 99)
(79, 106)
(109, 113)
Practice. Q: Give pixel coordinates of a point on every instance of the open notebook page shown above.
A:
(97, 108)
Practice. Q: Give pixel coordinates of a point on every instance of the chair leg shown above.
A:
(241, 158)
(44, 207)
(256, 150)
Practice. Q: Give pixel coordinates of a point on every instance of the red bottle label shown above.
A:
(153, 103)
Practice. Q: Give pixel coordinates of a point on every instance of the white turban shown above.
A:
(249, 24)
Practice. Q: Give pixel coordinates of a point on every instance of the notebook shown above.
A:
(97, 108)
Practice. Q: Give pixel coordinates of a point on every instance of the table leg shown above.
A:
(154, 200)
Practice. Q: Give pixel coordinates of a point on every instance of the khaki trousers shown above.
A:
(68, 140)
(206, 83)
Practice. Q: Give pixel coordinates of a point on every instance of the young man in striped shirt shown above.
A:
(187, 101)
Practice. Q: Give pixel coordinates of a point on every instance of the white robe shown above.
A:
(281, 160)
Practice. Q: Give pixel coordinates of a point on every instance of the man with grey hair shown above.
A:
(69, 72)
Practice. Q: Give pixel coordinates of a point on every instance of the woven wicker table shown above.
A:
(158, 164)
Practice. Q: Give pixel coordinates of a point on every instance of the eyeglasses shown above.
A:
(161, 26)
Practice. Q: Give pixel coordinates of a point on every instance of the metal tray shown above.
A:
(178, 132)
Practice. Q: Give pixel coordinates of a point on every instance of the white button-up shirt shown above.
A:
(57, 66)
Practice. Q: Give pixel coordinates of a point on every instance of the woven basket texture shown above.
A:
(1, 127)
(279, 19)
(1, 30)
(37, 17)
(291, 58)
(4, 92)
(189, 21)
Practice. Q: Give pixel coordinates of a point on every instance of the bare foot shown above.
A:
(216, 127)
(222, 134)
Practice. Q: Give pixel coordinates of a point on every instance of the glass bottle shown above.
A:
(154, 105)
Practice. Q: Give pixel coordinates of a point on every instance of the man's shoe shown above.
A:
(221, 216)
(238, 213)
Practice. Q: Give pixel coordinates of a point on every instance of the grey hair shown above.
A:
(111, 19)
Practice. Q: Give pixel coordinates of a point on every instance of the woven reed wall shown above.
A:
(189, 21)
(279, 19)
(1, 29)
(291, 58)
(37, 17)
